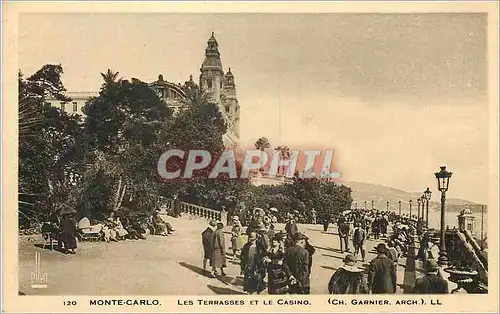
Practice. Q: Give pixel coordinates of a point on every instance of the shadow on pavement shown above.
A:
(322, 231)
(21, 293)
(327, 249)
(328, 267)
(228, 280)
(338, 257)
(195, 269)
(219, 290)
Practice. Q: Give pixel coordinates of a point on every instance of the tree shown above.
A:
(262, 143)
(110, 78)
(284, 153)
(125, 125)
(50, 157)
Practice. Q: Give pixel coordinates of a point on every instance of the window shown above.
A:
(221, 84)
(63, 106)
(209, 83)
(75, 106)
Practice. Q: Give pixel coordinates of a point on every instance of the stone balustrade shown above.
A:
(167, 205)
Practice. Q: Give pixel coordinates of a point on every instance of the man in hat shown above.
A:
(358, 240)
(382, 273)
(219, 250)
(431, 283)
(206, 240)
(297, 266)
(343, 229)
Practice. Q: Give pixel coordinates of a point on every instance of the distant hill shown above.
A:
(380, 194)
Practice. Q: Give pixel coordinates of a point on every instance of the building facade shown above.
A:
(219, 86)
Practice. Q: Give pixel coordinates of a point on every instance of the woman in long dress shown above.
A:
(277, 278)
(68, 232)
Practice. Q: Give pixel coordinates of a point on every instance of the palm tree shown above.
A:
(284, 153)
(261, 144)
(111, 77)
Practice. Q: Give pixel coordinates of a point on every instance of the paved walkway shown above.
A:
(163, 265)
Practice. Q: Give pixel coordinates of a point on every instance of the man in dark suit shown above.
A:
(206, 239)
(358, 240)
(382, 273)
(343, 228)
(431, 283)
(297, 266)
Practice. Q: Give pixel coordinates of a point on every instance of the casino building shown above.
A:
(217, 84)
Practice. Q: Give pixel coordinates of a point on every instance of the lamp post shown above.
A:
(365, 205)
(427, 195)
(443, 178)
(423, 203)
(418, 207)
(356, 205)
(387, 206)
(399, 208)
(410, 207)
(372, 205)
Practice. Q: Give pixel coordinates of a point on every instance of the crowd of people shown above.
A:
(67, 230)
(281, 260)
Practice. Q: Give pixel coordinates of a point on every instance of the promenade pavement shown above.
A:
(166, 265)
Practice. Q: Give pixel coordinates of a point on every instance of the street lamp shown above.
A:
(356, 205)
(365, 205)
(427, 195)
(443, 178)
(423, 203)
(387, 206)
(399, 208)
(372, 205)
(410, 207)
(418, 207)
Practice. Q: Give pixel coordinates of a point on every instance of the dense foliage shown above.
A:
(108, 161)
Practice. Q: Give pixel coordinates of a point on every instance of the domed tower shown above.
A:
(212, 74)
(466, 220)
(230, 102)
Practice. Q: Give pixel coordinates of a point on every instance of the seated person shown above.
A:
(134, 229)
(121, 233)
(161, 227)
(109, 231)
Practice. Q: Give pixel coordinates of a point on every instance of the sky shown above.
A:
(396, 95)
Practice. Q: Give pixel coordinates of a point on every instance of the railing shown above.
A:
(462, 254)
(167, 206)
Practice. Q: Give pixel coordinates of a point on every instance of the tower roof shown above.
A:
(212, 56)
(466, 211)
(229, 73)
